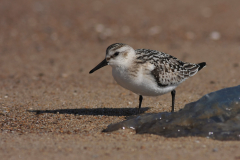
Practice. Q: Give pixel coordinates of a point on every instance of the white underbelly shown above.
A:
(144, 85)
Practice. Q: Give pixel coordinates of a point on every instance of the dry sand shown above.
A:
(48, 47)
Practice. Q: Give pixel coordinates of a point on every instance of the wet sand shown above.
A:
(51, 108)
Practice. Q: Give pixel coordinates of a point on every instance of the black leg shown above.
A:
(173, 93)
(140, 103)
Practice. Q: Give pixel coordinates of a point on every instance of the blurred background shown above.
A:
(40, 25)
(48, 26)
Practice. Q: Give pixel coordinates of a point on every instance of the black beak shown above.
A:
(100, 65)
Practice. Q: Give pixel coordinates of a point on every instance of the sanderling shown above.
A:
(147, 72)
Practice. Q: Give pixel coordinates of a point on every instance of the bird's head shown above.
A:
(117, 55)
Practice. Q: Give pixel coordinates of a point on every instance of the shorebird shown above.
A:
(147, 72)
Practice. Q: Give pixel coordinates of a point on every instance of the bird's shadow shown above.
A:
(95, 111)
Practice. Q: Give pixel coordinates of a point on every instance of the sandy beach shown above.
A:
(51, 108)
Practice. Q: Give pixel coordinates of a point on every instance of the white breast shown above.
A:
(142, 84)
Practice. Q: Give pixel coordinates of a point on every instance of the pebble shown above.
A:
(215, 35)
(215, 150)
(154, 30)
(99, 28)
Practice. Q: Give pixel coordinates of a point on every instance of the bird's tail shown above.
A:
(201, 65)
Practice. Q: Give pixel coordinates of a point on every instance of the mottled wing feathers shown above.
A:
(168, 69)
(150, 54)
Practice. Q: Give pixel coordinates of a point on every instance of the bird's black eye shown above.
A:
(116, 54)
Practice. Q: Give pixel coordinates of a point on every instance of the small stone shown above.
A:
(212, 82)
(64, 75)
(99, 28)
(215, 35)
(235, 64)
(215, 150)
(154, 30)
